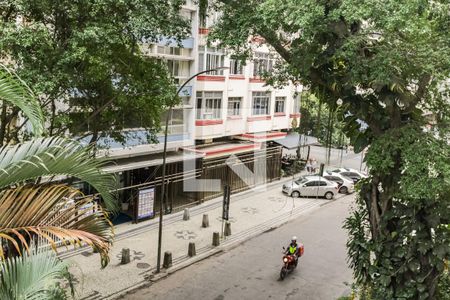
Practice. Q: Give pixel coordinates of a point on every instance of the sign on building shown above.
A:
(146, 199)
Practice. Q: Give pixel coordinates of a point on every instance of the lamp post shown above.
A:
(163, 176)
(298, 99)
(339, 103)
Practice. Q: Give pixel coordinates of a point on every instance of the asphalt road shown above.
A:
(251, 270)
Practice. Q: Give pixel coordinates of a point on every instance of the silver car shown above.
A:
(346, 184)
(355, 175)
(311, 186)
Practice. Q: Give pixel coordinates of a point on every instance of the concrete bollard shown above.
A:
(186, 214)
(191, 249)
(216, 239)
(227, 231)
(125, 256)
(205, 221)
(167, 263)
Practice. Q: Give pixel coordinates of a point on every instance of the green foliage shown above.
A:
(16, 92)
(295, 168)
(88, 54)
(36, 276)
(412, 241)
(388, 62)
(357, 247)
(444, 287)
(54, 156)
(22, 169)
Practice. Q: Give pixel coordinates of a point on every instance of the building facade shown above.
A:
(224, 112)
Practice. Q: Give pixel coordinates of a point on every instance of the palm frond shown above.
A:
(49, 211)
(16, 92)
(55, 156)
(32, 277)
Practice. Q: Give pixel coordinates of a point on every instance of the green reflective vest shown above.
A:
(292, 250)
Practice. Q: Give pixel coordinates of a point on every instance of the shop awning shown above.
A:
(223, 149)
(149, 161)
(259, 137)
(292, 140)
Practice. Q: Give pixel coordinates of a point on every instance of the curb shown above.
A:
(173, 218)
(151, 279)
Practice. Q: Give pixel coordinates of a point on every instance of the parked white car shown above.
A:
(311, 186)
(346, 185)
(355, 175)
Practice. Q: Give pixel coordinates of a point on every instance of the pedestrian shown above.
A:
(314, 166)
(308, 166)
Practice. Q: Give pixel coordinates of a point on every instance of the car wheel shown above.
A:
(329, 195)
(295, 194)
(343, 190)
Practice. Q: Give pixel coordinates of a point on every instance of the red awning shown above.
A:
(223, 149)
(262, 136)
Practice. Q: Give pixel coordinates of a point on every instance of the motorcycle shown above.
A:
(290, 261)
(289, 264)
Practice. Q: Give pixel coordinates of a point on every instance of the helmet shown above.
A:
(294, 238)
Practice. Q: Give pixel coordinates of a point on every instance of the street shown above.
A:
(251, 270)
(252, 213)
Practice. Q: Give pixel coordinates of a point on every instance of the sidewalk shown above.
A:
(251, 213)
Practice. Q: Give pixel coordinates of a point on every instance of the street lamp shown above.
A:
(339, 102)
(163, 176)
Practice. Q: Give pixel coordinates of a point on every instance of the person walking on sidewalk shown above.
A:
(308, 166)
(314, 166)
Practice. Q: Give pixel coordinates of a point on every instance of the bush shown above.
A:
(295, 168)
(444, 287)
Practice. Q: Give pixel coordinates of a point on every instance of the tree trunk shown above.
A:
(3, 123)
(385, 225)
(52, 117)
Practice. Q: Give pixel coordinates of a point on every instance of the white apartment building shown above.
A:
(232, 103)
(224, 112)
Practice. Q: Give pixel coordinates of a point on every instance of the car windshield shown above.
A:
(301, 180)
(347, 178)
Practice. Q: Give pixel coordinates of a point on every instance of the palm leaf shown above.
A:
(49, 211)
(32, 277)
(16, 92)
(55, 156)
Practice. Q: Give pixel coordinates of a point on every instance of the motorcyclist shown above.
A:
(293, 248)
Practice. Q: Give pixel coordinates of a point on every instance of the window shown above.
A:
(300, 181)
(209, 105)
(262, 63)
(279, 104)
(168, 50)
(350, 174)
(336, 179)
(176, 122)
(161, 50)
(261, 102)
(210, 58)
(178, 68)
(236, 67)
(312, 183)
(234, 106)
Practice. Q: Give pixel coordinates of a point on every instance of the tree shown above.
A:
(35, 276)
(388, 61)
(86, 60)
(33, 206)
